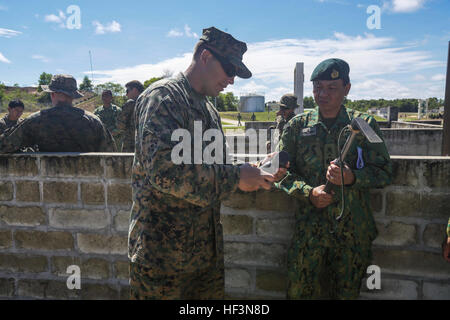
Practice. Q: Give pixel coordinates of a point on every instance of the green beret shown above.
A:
(331, 69)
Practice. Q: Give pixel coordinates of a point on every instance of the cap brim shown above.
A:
(74, 95)
(242, 71)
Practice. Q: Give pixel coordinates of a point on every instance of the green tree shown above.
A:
(148, 82)
(86, 85)
(116, 88)
(309, 103)
(44, 79)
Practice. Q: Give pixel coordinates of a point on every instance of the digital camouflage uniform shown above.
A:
(126, 126)
(109, 118)
(328, 258)
(59, 129)
(175, 242)
(175, 229)
(5, 123)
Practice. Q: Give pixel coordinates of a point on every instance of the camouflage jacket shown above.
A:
(59, 129)
(312, 146)
(109, 117)
(126, 126)
(5, 123)
(175, 220)
(448, 228)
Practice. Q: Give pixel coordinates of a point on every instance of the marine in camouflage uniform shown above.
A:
(328, 257)
(175, 242)
(108, 114)
(126, 120)
(62, 128)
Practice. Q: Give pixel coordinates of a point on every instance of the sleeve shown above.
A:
(377, 170)
(123, 119)
(107, 142)
(199, 184)
(18, 137)
(293, 184)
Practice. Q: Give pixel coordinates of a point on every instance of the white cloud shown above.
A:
(60, 19)
(3, 59)
(7, 33)
(40, 58)
(3, 8)
(174, 33)
(438, 77)
(112, 27)
(419, 77)
(376, 65)
(404, 6)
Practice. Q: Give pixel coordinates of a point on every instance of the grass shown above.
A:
(260, 116)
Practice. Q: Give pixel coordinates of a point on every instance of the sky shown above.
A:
(395, 48)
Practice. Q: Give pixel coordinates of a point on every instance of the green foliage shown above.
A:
(86, 85)
(44, 79)
(225, 102)
(116, 88)
(148, 82)
(309, 103)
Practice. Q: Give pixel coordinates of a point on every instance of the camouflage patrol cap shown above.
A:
(64, 84)
(331, 69)
(227, 47)
(289, 101)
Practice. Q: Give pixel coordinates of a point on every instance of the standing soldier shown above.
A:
(15, 111)
(239, 117)
(331, 249)
(62, 128)
(108, 114)
(125, 121)
(176, 240)
(288, 103)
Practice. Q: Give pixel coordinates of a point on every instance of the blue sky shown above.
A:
(405, 58)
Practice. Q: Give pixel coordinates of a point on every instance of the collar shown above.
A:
(342, 118)
(192, 94)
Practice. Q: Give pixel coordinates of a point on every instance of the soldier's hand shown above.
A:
(334, 175)
(253, 178)
(281, 172)
(319, 198)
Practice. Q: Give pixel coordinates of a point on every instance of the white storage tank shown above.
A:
(252, 103)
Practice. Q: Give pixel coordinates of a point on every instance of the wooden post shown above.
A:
(446, 122)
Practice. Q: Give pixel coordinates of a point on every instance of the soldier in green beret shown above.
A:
(175, 237)
(331, 249)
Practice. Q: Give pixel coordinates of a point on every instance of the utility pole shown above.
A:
(446, 122)
(92, 72)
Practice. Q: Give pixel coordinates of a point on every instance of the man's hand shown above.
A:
(334, 175)
(319, 198)
(254, 178)
(446, 251)
(281, 172)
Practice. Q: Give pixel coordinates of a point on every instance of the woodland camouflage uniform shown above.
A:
(328, 258)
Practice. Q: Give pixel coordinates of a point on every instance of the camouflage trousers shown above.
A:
(204, 284)
(326, 272)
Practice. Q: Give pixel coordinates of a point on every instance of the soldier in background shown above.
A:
(108, 114)
(126, 121)
(288, 103)
(62, 128)
(15, 111)
(331, 249)
(175, 237)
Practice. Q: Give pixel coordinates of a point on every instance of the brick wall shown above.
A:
(62, 210)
